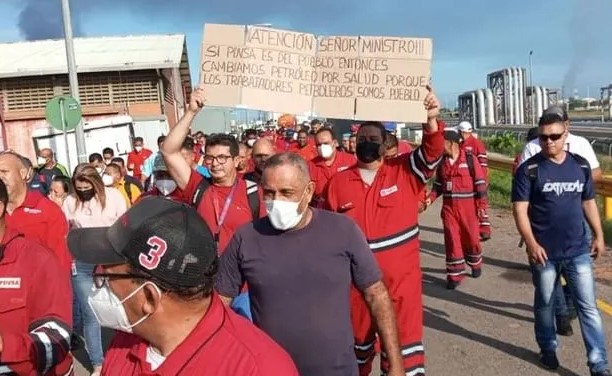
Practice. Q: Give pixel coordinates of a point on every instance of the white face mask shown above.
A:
(109, 310)
(41, 161)
(284, 215)
(108, 180)
(251, 142)
(138, 148)
(325, 151)
(165, 186)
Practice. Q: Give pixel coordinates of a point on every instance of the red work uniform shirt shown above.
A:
(387, 210)
(135, 160)
(213, 202)
(479, 151)
(41, 220)
(35, 310)
(403, 147)
(308, 152)
(320, 173)
(222, 344)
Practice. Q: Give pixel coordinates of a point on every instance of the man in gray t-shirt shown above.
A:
(299, 263)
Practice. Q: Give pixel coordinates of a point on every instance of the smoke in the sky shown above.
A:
(588, 35)
(42, 19)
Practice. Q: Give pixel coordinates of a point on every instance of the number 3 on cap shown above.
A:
(151, 259)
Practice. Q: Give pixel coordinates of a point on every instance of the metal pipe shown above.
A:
(508, 96)
(490, 106)
(482, 121)
(516, 96)
(521, 98)
(532, 87)
(79, 132)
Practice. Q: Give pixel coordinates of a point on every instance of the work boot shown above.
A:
(564, 326)
(549, 360)
(451, 285)
(602, 373)
(484, 237)
(476, 273)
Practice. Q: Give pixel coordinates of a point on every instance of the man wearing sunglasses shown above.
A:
(564, 307)
(552, 193)
(154, 285)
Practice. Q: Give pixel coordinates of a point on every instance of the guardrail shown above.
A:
(603, 188)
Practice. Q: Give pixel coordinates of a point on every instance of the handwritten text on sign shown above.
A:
(371, 78)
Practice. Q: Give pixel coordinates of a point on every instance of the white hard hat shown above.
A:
(465, 126)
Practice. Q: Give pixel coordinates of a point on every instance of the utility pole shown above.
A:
(532, 97)
(79, 134)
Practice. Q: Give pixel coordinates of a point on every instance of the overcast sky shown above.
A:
(570, 39)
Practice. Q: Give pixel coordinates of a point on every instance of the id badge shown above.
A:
(74, 270)
(449, 186)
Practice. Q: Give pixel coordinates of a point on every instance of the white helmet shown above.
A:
(465, 126)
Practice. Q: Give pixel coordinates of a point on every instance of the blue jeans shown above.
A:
(83, 283)
(242, 305)
(579, 274)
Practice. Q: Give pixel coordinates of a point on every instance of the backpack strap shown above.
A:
(127, 186)
(253, 197)
(469, 158)
(199, 192)
(584, 164)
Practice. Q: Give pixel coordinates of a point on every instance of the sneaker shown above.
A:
(602, 373)
(476, 273)
(451, 285)
(549, 360)
(564, 326)
(97, 371)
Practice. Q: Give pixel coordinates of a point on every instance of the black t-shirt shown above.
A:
(299, 283)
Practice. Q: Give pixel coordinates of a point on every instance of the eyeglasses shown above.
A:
(221, 159)
(552, 136)
(101, 279)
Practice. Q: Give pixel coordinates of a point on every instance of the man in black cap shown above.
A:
(155, 286)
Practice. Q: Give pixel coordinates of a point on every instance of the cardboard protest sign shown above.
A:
(366, 78)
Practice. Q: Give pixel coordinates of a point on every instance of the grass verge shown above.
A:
(500, 189)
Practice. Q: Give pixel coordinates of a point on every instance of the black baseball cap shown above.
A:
(163, 238)
(553, 114)
(452, 136)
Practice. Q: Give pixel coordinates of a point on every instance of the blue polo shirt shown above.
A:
(555, 199)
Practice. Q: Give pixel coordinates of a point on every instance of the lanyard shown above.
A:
(226, 205)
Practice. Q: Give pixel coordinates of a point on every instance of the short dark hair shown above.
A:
(224, 140)
(188, 144)
(95, 157)
(199, 134)
(160, 139)
(118, 161)
(108, 151)
(325, 129)
(250, 132)
(391, 141)
(378, 125)
(315, 122)
(289, 158)
(66, 182)
(548, 119)
(532, 134)
(302, 131)
(204, 290)
(138, 139)
(3, 196)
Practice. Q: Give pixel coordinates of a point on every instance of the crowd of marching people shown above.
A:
(287, 252)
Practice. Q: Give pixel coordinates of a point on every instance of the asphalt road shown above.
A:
(485, 327)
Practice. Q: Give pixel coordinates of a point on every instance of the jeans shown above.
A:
(242, 305)
(83, 284)
(579, 274)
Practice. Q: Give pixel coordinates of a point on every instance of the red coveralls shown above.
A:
(479, 151)
(464, 197)
(387, 213)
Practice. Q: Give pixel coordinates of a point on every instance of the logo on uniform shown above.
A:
(561, 188)
(387, 191)
(10, 283)
(32, 211)
(340, 169)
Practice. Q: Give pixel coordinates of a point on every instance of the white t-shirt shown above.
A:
(574, 144)
(154, 358)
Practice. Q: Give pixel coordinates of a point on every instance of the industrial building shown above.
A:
(506, 100)
(129, 86)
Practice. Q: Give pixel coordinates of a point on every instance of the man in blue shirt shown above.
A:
(552, 193)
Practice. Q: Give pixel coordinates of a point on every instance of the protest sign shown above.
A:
(365, 78)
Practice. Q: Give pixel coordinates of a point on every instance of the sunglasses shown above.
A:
(552, 136)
